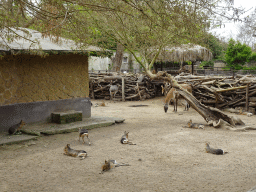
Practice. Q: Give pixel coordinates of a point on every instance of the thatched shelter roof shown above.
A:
(185, 52)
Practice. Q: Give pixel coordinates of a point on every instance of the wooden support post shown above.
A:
(192, 68)
(247, 98)
(123, 86)
(217, 101)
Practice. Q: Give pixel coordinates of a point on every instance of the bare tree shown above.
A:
(247, 30)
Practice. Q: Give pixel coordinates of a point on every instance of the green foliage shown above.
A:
(207, 63)
(237, 54)
(216, 46)
(252, 57)
(249, 68)
(188, 62)
(110, 66)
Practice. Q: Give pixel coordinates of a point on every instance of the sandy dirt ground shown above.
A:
(167, 156)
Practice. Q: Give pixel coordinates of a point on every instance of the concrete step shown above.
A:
(67, 117)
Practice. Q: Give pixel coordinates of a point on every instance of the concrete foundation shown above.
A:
(40, 111)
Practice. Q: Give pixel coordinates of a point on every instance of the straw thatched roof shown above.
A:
(185, 52)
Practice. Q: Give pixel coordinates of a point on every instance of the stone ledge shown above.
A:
(6, 139)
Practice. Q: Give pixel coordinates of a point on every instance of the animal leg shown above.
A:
(115, 95)
(111, 96)
(186, 106)
(88, 139)
(176, 96)
(175, 105)
(83, 138)
(131, 143)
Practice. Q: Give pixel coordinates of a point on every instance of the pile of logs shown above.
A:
(130, 86)
(220, 92)
(223, 92)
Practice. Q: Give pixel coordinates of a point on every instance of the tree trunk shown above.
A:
(130, 63)
(117, 61)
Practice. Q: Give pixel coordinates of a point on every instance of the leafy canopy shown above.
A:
(237, 54)
(216, 46)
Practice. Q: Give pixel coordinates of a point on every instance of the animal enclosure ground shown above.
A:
(172, 158)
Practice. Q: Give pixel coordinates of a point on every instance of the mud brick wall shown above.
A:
(28, 78)
(32, 87)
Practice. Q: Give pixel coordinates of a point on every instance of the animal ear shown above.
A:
(105, 161)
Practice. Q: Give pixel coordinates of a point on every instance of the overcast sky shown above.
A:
(230, 29)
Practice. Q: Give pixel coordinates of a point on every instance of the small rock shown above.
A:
(119, 120)
(31, 143)
(249, 114)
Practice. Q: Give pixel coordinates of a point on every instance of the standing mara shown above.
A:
(174, 96)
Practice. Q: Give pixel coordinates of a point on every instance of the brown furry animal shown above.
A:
(13, 129)
(194, 125)
(110, 164)
(124, 139)
(74, 153)
(208, 149)
(106, 167)
(83, 133)
(174, 96)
